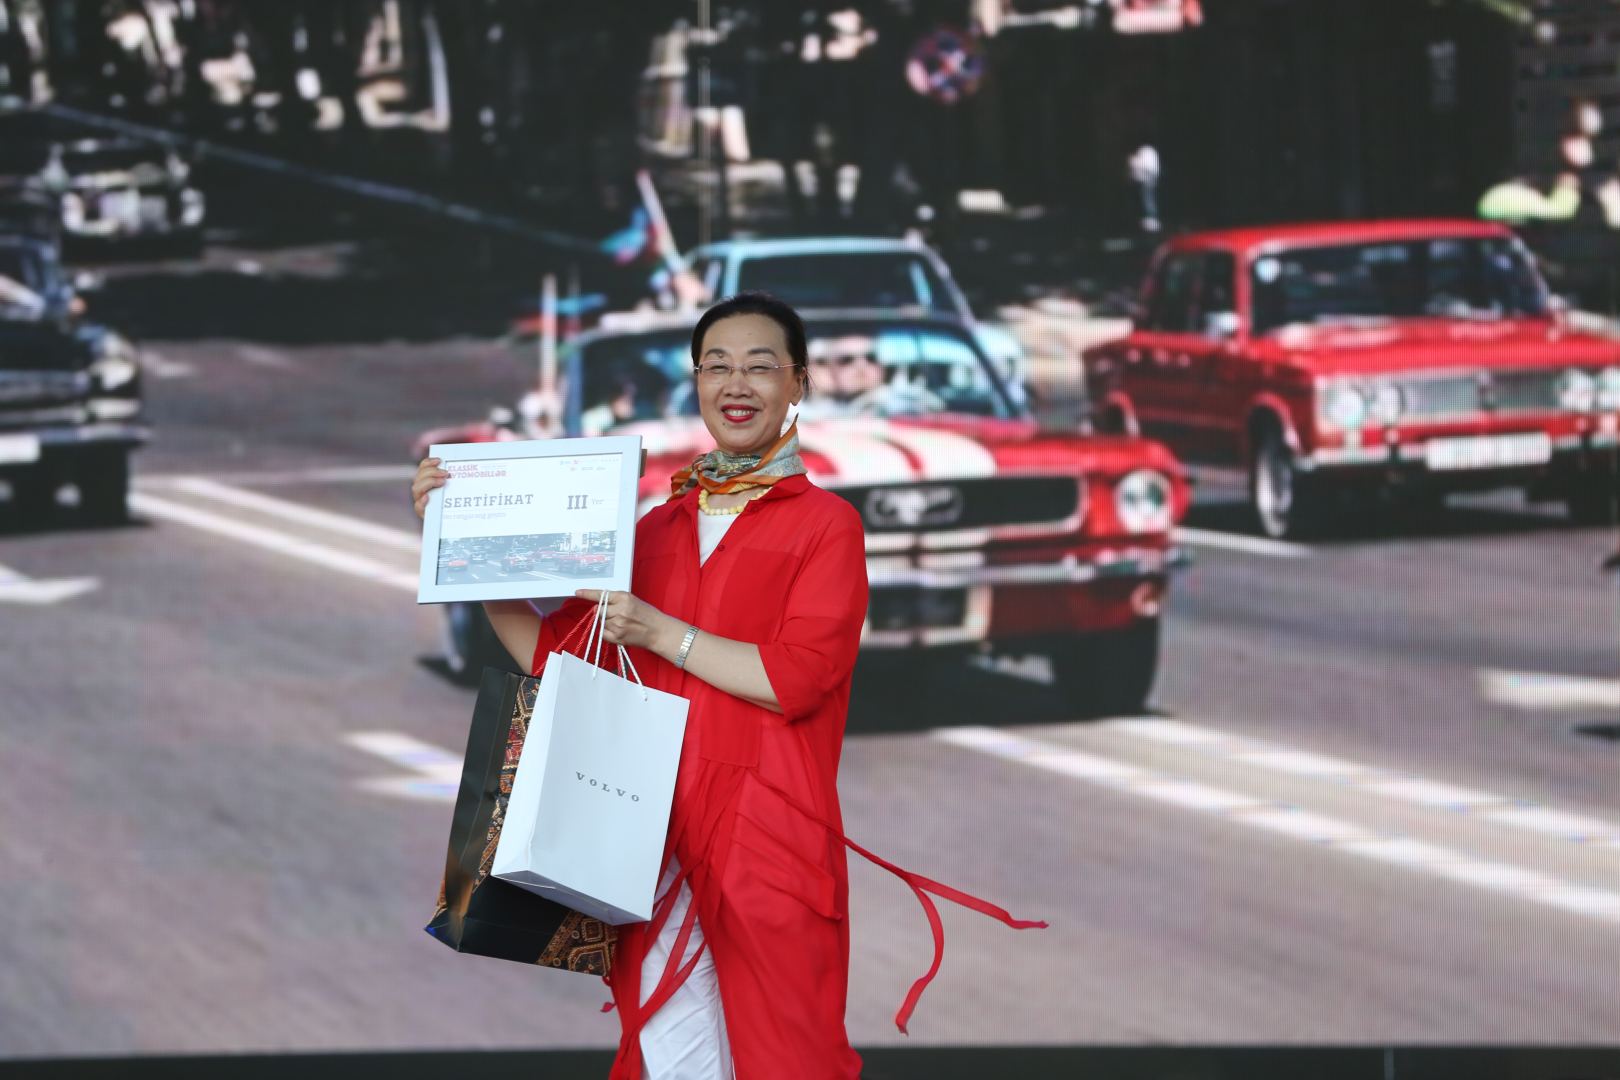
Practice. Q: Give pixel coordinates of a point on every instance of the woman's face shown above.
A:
(744, 412)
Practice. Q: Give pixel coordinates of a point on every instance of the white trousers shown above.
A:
(686, 1039)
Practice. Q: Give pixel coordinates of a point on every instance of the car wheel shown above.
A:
(1108, 673)
(470, 644)
(1285, 502)
(33, 496)
(103, 483)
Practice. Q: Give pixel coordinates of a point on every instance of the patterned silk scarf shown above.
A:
(718, 472)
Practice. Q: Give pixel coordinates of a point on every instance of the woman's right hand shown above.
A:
(428, 477)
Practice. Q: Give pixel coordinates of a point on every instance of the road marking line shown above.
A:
(19, 588)
(435, 772)
(1598, 902)
(1541, 691)
(1565, 826)
(205, 488)
(161, 367)
(1434, 794)
(1170, 731)
(1320, 830)
(1301, 763)
(332, 559)
(1196, 796)
(1500, 876)
(1420, 791)
(1080, 766)
(1249, 545)
(1401, 850)
(1304, 825)
(259, 356)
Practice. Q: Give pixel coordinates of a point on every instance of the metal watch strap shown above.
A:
(686, 646)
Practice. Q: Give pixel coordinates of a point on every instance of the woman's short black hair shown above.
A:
(757, 303)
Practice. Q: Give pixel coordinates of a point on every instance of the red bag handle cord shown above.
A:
(921, 886)
(580, 625)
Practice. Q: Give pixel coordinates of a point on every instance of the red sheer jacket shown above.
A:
(755, 826)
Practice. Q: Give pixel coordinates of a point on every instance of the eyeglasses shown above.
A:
(757, 372)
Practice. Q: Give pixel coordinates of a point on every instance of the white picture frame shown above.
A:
(531, 518)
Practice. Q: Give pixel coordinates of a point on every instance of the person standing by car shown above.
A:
(748, 596)
(1143, 166)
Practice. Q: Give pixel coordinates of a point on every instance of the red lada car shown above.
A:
(1404, 358)
(984, 535)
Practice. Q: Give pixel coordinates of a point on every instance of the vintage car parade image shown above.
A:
(1199, 422)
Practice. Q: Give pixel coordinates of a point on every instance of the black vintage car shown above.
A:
(70, 414)
(113, 189)
(110, 188)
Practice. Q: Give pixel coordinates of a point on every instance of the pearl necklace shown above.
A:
(703, 503)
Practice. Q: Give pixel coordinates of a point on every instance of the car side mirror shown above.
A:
(1222, 325)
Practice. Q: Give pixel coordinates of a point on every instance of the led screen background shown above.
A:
(1349, 781)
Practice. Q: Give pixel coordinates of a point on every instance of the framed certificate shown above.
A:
(535, 518)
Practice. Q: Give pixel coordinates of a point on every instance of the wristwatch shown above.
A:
(686, 646)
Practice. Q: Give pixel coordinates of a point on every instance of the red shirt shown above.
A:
(755, 824)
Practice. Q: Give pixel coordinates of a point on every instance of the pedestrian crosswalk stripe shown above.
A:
(287, 510)
(1420, 791)
(1330, 833)
(329, 558)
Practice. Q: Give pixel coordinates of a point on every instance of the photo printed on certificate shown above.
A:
(541, 518)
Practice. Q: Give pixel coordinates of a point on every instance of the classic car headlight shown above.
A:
(1608, 389)
(1577, 390)
(1345, 407)
(114, 371)
(1142, 501)
(1389, 401)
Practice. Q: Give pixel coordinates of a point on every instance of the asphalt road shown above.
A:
(1374, 802)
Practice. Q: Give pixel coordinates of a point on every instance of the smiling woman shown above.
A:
(748, 598)
(750, 368)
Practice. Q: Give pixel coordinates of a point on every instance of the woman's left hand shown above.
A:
(634, 622)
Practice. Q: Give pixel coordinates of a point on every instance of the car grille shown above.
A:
(32, 388)
(911, 608)
(977, 503)
(1474, 393)
(27, 418)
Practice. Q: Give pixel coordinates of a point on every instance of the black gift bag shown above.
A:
(485, 915)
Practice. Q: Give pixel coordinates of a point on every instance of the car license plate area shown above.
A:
(1488, 452)
(154, 209)
(19, 449)
(909, 607)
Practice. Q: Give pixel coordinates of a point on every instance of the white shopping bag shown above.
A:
(589, 811)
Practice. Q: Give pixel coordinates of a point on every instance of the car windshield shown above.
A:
(1439, 277)
(856, 370)
(849, 279)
